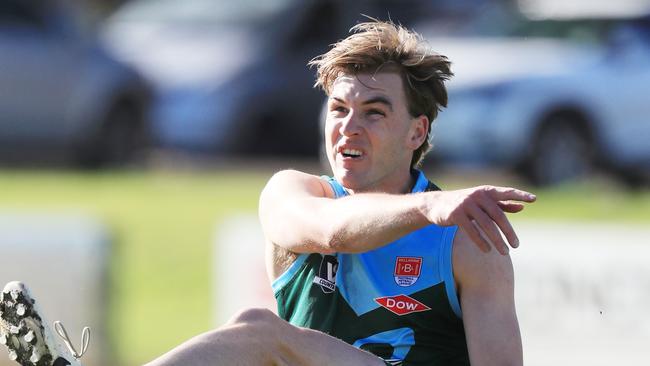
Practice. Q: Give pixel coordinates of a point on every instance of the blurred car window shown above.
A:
(199, 12)
(582, 31)
(19, 14)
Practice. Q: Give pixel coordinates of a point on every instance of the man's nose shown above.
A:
(350, 125)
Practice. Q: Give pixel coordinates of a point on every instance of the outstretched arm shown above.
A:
(298, 213)
(486, 289)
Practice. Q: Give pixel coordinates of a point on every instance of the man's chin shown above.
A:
(349, 179)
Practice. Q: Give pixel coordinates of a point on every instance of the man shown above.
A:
(356, 256)
(368, 267)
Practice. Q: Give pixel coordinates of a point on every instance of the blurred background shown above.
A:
(136, 136)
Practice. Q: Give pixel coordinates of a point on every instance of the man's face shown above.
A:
(369, 135)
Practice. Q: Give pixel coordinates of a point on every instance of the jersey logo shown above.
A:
(326, 278)
(407, 270)
(401, 304)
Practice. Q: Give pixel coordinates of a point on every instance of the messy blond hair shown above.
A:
(378, 45)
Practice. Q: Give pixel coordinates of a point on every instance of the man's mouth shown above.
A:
(351, 153)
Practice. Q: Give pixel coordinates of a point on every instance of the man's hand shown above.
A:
(481, 207)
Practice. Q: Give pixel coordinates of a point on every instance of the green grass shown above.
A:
(589, 203)
(164, 225)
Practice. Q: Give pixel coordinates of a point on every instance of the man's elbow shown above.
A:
(335, 244)
(341, 244)
(334, 239)
(331, 241)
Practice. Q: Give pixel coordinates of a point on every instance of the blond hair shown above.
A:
(378, 44)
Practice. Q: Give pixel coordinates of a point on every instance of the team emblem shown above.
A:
(326, 278)
(407, 270)
(401, 304)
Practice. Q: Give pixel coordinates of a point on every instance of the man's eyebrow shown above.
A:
(381, 100)
(372, 100)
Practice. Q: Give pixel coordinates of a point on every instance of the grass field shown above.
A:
(164, 223)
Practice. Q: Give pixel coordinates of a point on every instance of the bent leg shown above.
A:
(259, 337)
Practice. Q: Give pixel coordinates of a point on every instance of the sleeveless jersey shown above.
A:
(397, 301)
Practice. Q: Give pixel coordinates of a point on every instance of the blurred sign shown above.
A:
(239, 270)
(63, 260)
(582, 290)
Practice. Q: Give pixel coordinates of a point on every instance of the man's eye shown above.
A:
(339, 109)
(376, 112)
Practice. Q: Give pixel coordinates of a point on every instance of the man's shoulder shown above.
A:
(291, 180)
(292, 175)
(474, 268)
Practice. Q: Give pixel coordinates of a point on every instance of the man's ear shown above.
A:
(418, 132)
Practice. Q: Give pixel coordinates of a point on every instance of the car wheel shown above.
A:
(119, 141)
(562, 151)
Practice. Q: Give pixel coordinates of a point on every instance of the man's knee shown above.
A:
(258, 329)
(259, 323)
(259, 316)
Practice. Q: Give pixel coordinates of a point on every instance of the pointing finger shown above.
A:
(505, 193)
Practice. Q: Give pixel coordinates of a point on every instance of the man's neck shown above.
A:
(403, 186)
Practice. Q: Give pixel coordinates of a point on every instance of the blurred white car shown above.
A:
(557, 101)
(61, 93)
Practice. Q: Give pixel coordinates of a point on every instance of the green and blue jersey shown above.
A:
(398, 301)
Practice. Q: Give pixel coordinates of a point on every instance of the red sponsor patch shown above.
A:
(401, 304)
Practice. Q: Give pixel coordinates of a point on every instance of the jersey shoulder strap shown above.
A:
(432, 187)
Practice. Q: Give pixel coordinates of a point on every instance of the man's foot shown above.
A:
(27, 335)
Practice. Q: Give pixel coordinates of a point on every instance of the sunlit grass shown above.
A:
(164, 225)
(590, 203)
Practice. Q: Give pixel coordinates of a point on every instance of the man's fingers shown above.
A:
(506, 194)
(511, 207)
(496, 214)
(482, 215)
(501, 248)
(488, 226)
(473, 233)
